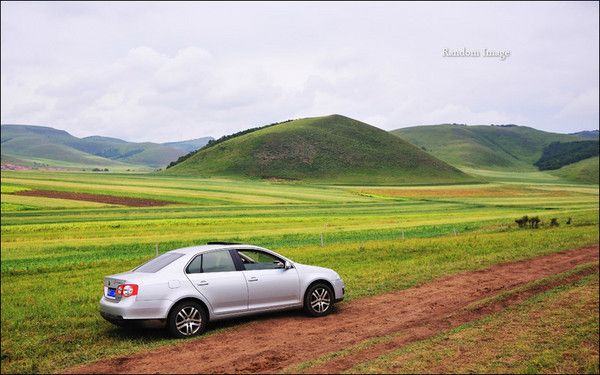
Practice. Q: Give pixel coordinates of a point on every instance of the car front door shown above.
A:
(270, 285)
(215, 276)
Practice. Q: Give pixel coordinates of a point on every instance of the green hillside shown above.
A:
(559, 154)
(483, 146)
(42, 145)
(52, 147)
(333, 149)
(584, 171)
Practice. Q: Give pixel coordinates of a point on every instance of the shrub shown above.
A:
(522, 222)
(534, 222)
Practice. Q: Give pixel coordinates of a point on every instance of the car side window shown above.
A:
(195, 265)
(259, 260)
(218, 261)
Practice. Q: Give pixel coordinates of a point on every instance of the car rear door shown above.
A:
(216, 277)
(270, 285)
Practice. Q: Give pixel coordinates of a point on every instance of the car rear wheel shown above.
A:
(187, 319)
(318, 300)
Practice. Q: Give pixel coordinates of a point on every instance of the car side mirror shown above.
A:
(288, 265)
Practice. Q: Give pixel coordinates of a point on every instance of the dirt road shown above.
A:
(276, 342)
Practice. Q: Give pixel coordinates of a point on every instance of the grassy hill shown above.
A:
(482, 146)
(41, 145)
(559, 154)
(585, 171)
(333, 149)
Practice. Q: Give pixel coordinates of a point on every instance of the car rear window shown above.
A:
(158, 263)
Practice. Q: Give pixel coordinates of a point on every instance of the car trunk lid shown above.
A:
(113, 281)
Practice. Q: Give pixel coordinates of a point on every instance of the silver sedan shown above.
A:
(189, 287)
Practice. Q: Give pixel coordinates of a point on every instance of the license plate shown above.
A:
(111, 292)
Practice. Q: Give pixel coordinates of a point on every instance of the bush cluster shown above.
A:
(526, 221)
(534, 222)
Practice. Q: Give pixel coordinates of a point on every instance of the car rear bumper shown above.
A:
(111, 317)
(130, 308)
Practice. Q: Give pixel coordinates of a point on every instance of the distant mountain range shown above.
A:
(42, 146)
(332, 149)
(592, 134)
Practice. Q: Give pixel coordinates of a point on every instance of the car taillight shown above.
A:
(127, 290)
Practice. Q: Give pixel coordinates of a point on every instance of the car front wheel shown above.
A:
(318, 300)
(187, 319)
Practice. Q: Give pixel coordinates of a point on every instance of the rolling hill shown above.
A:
(483, 146)
(332, 149)
(559, 154)
(585, 171)
(41, 145)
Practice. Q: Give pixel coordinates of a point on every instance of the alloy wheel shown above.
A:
(320, 300)
(188, 321)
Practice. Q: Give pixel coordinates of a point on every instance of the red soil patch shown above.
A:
(272, 343)
(110, 199)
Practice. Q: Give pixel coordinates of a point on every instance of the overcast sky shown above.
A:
(173, 71)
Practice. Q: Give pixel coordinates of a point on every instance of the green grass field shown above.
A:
(55, 252)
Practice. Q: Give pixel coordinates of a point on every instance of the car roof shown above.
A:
(205, 248)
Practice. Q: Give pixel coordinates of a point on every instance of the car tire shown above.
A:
(318, 300)
(187, 319)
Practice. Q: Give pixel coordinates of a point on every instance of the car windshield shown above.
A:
(158, 263)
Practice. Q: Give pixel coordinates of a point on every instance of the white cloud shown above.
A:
(158, 71)
(585, 103)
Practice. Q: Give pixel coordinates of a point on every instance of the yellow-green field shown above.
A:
(56, 251)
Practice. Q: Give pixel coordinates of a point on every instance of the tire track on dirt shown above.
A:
(274, 343)
(426, 330)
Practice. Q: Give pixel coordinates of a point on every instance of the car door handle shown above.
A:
(253, 278)
(202, 283)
